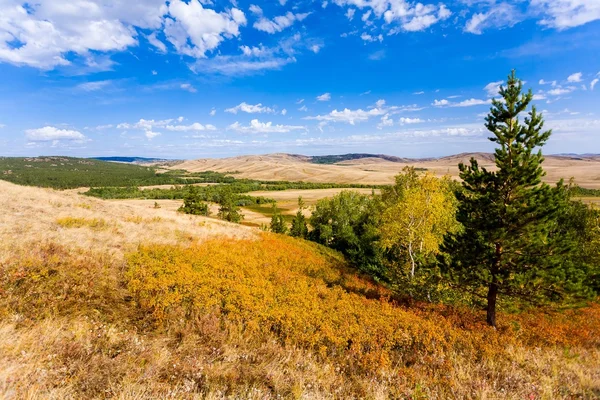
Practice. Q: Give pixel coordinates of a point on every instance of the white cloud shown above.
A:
(539, 96)
(213, 112)
(188, 87)
(493, 88)
(264, 127)
(193, 127)
(50, 133)
(421, 92)
(151, 135)
(560, 91)
(253, 60)
(368, 38)
(564, 14)
(42, 33)
(399, 14)
(194, 30)
(464, 103)
(279, 23)
(499, 16)
(543, 82)
(574, 78)
(300, 101)
(149, 124)
(93, 86)
(256, 10)
(50, 33)
(350, 13)
(303, 109)
(154, 72)
(379, 103)
(283, 112)
(156, 42)
(470, 102)
(350, 116)
(324, 97)
(249, 108)
(315, 48)
(386, 121)
(407, 121)
(593, 83)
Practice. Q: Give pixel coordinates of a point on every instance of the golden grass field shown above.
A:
(108, 299)
(586, 171)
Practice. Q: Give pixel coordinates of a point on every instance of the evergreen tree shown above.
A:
(509, 244)
(299, 226)
(192, 203)
(228, 207)
(348, 223)
(277, 221)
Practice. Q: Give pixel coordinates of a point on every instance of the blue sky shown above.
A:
(191, 79)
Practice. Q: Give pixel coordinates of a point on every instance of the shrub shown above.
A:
(93, 223)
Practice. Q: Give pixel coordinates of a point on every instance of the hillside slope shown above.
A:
(377, 170)
(106, 300)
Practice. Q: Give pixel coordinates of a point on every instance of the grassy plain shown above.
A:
(110, 299)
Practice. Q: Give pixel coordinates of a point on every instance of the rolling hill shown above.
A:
(377, 169)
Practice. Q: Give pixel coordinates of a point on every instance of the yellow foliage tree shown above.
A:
(418, 212)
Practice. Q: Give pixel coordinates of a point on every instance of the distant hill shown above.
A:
(334, 159)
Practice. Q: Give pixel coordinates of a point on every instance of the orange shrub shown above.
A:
(301, 293)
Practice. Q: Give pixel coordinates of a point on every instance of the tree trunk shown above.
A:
(493, 288)
(491, 304)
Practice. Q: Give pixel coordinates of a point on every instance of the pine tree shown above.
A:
(228, 207)
(278, 224)
(299, 225)
(192, 203)
(509, 244)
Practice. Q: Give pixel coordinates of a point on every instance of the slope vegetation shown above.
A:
(100, 299)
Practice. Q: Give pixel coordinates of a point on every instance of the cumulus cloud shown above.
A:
(279, 23)
(42, 33)
(440, 103)
(193, 127)
(151, 134)
(564, 14)
(574, 78)
(368, 38)
(408, 121)
(194, 30)
(464, 103)
(398, 15)
(249, 108)
(264, 127)
(51, 133)
(324, 97)
(493, 88)
(51, 33)
(149, 124)
(350, 116)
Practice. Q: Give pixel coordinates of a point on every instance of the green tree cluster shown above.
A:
(500, 235)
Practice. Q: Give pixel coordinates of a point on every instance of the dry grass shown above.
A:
(86, 313)
(378, 171)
